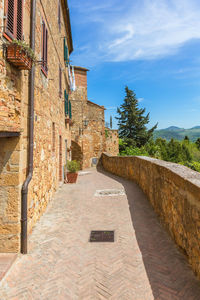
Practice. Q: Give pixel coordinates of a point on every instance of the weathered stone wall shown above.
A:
(14, 116)
(9, 194)
(174, 192)
(12, 81)
(89, 139)
(94, 134)
(13, 109)
(111, 141)
(49, 109)
(78, 99)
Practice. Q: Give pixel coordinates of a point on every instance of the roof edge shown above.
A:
(68, 25)
(101, 106)
(80, 68)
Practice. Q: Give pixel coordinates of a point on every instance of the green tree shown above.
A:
(186, 138)
(198, 143)
(110, 122)
(132, 122)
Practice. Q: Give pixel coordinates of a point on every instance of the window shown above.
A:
(59, 16)
(44, 48)
(53, 138)
(68, 106)
(66, 103)
(14, 19)
(70, 110)
(60, 81)
(66, 57)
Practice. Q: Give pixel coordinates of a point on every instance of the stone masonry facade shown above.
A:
(112, 141)
(88, 129)
(52, 135)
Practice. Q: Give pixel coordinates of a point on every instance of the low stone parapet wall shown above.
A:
(174, 192)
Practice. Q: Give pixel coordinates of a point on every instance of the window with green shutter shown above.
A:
(70, 110)
(66, 103)
(66, 55)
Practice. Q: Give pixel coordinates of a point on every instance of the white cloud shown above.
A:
(131, 30)
(140, 99)
(111, 108)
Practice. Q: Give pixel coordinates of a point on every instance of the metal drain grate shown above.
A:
(101, 236)
(109, 192)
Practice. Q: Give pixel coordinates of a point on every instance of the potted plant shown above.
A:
(72, 168)
(20, 54)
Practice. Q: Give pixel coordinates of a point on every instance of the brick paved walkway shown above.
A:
(6, 261)
(142, 264)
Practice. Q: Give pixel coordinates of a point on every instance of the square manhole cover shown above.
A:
(102, 236)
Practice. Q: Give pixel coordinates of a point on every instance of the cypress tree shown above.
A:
(132, 121)
(110, 122)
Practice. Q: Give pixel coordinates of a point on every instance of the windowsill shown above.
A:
(44, 72)
(7, 37)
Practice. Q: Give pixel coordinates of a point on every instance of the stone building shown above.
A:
(88, 129)
(111, 141)
(37, 97)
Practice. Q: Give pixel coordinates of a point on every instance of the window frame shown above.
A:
(44, 48)
(17, 22)
(66, 52)
(59, 15)
(60, 81)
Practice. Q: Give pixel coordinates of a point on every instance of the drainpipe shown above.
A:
(24, 205)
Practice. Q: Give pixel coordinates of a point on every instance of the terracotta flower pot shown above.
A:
(18, 57)
(72, 177)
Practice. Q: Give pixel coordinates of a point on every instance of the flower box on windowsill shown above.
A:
(68, 120)
(18, 57)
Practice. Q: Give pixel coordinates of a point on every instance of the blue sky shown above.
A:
(153, 46)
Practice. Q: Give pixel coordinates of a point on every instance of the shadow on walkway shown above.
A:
(168, 271)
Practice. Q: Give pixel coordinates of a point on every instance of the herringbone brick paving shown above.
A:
(6, 261)
(142, 264)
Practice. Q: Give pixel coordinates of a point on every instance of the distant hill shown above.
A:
(174, 132)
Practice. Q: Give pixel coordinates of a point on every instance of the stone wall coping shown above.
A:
(114, 130)
(174, 192)
(93, 103)
(180, 170)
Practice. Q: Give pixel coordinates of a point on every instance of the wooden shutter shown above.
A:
(43, 43)
(70, 110)
(60, 81)
(10, 18)
(19, 27)
(59, 16)
(66, 58)
(66, 103)
(44, 48)
(14, 19)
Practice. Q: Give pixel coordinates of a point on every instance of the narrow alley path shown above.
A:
(142, 264)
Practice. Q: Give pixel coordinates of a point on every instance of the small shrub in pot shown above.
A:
(72, 168)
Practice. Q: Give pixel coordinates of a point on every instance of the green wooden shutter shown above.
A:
(70, 110)
(66, 58)
(66, 103)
